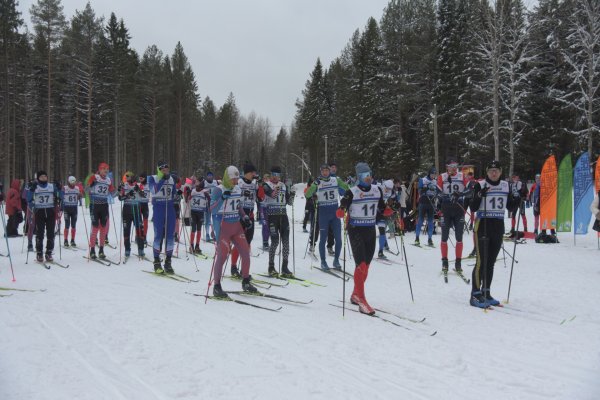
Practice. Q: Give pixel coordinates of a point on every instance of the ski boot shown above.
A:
(285, 272)
(336, 264)
(364, 307)
(330, 251)
(512, 233)
(66, 243)
(265, 246)
(430, 242)
(73, 243)
(380, 255)
(458, 266)
(157, 267)
(49, 257)
(304, 230)
(106, 241)
(247, 286)
(235, 272)
(197, 249)
(445, 265)
(168, 268)
(29, 247)
(311, 249)
(386, 247)
(490, 300)
(127, 252)
(39, 257)
(478, 300)
(141, 253)
(473, 254)
(93, 253)
(101, 253)
(272, 270)
(417, 242)
(324, 265)
(218, 292)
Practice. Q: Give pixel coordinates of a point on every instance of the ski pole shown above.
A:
(86, 229)
(24, 225)
(212, 268)
(59, 245)
(185, 233)
(513, 256)
(407, 271)
(112, 214)
(7, 245)
(344, 266)
(293, 239)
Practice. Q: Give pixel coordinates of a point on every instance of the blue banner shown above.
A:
(583, 194)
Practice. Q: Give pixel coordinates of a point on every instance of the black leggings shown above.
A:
(493, 229)
(44, 222)
(132, 217)
(99, 214)
(362, 242)
(279, 226)
(197, 220)
(70, 213)
(453, 217)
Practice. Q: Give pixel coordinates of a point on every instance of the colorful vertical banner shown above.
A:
(548, 194)
(583, 193)
(597, 180)
(564, 212)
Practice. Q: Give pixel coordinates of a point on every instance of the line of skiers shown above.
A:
(364, 208)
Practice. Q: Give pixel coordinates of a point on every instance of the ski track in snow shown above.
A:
(116, 333)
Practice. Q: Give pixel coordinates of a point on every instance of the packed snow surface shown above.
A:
(99, 332)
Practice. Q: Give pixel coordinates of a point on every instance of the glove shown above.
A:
(92, 180)
(317, 181)
(179, 192)
(339, 213)
(159, 174)
(388, 212)
(131, 193)
(455, 197)
(188, 190)
(121, 186)
(483, 192)
(246, 222)
(136, 188)
(227, 194)
(247, 193)
(32, 187)
(432, 186)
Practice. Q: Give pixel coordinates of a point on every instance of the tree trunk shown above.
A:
(49, 137)
(89, 123)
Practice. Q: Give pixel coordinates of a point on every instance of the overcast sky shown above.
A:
(261, 50)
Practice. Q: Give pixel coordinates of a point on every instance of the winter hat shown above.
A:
(389, 184)
(230, 173)
(103, 165)
(71, 180)
(142, 175)
(40, 173)
(362, 171)
(276, 170)
(209, 174)
(494, 164)
(324, 166)
(432, 171)
(332, 164)
(248, 167)
(162, 164)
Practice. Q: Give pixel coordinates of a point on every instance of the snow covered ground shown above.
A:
(115, 332)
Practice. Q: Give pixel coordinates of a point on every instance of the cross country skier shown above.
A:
(364, 205)
(263, 212)
(276, 198)
(42, 199)
(309, 207)
(249, 187)
(199, 199)
(328, 189)
(100, 188)
(428, 191)
(330, 235)
(143, 204)
(518, 190)
(229, 223)
(130, 193)
(452, 185)
(163, 191)
(491, 200)
(72, 195)
(534, 200)
(387, 189)
(209, 183)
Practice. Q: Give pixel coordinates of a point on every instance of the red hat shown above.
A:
(102, 165)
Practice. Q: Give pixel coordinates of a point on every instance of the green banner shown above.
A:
(565, 195)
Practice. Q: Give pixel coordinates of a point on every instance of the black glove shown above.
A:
(136, 188)
(131, 193)
(483, 192)
(246, 222)
(120, 187)
(317, 181)
(227, 194)
(247, 193)
(32, 187)
(179, 192)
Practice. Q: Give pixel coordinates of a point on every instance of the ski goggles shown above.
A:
(364, 175)
(452, 165)
(163, 166)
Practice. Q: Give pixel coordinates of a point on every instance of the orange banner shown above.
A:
(597, 177)
(548, 194)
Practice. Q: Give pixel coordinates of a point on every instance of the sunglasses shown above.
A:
(163, 166)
